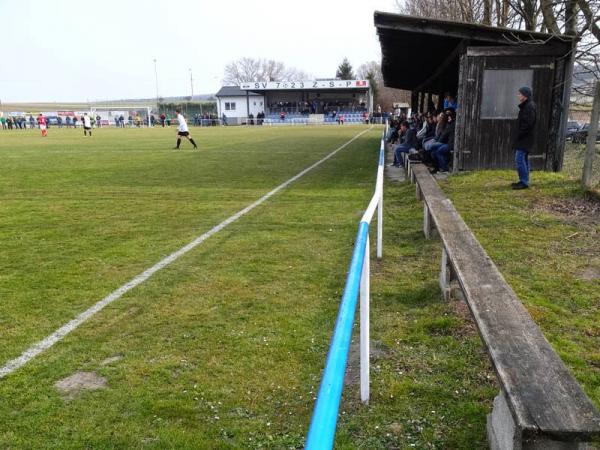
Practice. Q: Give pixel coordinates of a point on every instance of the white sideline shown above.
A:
(53, 338)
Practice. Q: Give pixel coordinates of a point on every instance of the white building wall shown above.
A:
(257, 104)
(241, 110)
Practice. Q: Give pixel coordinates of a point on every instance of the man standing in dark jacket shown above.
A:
(525, 136)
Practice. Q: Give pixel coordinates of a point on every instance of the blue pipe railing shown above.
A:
(324, 419)
(322, 428)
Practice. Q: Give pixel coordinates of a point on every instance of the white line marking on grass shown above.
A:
(52, 339)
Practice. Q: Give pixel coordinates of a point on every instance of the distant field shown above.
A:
(224, 347)
(70, 106)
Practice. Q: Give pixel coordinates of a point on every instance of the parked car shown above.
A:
(580, 137)
(572, 128)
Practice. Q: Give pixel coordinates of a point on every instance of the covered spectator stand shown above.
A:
(483, 67)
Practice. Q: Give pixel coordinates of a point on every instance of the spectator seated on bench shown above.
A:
(408, 142)
(393, 132)
(441, 150)
(440, 121)
(427, 132)
(449, 102)
(417, 120)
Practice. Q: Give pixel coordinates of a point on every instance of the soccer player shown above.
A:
(87, 124)
(182, 130)
(42, 123)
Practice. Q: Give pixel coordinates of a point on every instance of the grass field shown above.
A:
(224, 347)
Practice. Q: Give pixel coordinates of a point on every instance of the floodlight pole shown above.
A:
(156, 81)
(192, 85)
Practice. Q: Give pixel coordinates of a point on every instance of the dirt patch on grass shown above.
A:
(73, 385)
(111, 360)
(378, 350)
(461, 309)
(589, 274)
(579, 211)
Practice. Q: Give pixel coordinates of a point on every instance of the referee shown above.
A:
(182, 130)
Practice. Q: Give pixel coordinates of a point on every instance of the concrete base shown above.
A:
(504, 434)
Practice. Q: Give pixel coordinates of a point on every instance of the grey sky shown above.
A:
(76, 51)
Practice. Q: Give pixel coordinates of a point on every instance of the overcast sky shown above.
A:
(97, 50)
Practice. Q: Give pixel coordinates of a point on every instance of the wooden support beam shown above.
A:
(414, 100)
(453, 56)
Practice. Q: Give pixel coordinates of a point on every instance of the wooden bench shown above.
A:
(540, 405)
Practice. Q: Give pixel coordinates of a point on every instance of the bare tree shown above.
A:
(382, 96)
(577, 19)
(487, 12)
(251, 69)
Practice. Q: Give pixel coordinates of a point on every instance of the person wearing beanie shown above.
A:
(525, 138)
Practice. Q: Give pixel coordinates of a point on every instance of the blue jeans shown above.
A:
(522, 163)
(441, 156)
(398, 152)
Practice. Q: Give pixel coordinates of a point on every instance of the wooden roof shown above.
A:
(422, 54)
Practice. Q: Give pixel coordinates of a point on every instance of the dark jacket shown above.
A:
(409, 138)
(447, 136)
(526, 126)
(430, 133)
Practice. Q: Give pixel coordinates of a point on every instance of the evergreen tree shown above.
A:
(344, 71)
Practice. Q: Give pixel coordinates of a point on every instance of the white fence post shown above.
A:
(364, 326)
(380, 225)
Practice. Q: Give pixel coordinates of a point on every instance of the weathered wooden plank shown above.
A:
(541, 393)
(521, 50)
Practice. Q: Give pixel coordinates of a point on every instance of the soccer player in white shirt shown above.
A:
(182, 130)
(87, 124)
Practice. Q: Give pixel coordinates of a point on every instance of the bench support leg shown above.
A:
(504, 434)
(448, 279)
(418, 192)
(444, 271)
(427, 222)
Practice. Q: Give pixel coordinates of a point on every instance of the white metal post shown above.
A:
(364, 327)
(380, 225)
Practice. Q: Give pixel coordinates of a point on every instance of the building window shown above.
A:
(261, 103)
(254, 103)
(499, 92)
(229, 106)
(232, 105)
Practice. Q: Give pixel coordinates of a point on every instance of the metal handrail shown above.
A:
(324, 419)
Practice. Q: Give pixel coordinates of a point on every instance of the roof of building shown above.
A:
(420, 53)
(233, 91)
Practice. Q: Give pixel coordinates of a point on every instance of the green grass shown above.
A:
(225, 347)
(573, 164)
